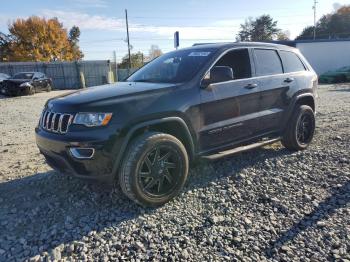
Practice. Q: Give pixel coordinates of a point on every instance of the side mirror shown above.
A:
(217, 74)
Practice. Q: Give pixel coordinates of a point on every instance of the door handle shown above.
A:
(288, 80)
(251, 86)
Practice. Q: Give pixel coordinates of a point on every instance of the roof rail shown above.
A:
(195, 44)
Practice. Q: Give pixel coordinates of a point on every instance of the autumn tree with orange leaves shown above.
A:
(39, 39)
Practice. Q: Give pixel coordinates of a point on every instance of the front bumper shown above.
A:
(56, 149)
(17, 90)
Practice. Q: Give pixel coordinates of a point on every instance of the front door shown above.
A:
(230, 110)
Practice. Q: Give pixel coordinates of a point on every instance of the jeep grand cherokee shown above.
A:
(204, 101)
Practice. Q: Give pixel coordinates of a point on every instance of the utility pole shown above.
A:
(127, 34)
(116, 66)
(314, 7)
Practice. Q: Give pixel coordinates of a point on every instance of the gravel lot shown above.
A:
(266, 204)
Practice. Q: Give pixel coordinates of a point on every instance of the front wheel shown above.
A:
(48, 88)
(154, 169)
(30, 90)
(301, 128)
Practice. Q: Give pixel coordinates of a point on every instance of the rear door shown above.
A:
(229, 110)
(273, 96)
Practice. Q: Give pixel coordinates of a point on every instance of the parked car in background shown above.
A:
(340, 75)
(206, 101)
(27, 83)
(2, 78)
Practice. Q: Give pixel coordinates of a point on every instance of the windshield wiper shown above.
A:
(154, 80)
(145, 80)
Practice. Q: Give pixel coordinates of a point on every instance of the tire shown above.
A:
(48, 88)
(152, 183)
(301, 128)
(29, 91)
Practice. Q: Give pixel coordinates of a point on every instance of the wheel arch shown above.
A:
(175, 126)
(306, 99)
(301, 99)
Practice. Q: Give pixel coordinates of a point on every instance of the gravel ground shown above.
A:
(267, 204)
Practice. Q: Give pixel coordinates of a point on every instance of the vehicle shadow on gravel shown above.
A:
(44, 211)
(339, 198)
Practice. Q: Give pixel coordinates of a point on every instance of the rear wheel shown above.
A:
(154, 169)
(301, 128)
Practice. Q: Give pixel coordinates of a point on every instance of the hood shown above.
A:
(107, 94)
(17, 81)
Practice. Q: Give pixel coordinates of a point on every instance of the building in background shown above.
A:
(323, 55)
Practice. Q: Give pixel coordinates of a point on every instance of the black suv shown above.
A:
(27, 83)
(204, 101)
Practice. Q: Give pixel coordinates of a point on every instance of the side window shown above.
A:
(291, 62)
(268, 62)
(239, 61)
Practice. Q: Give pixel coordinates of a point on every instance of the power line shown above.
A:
(107, 41)
(203, 17)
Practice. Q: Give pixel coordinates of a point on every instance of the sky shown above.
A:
(103, 27)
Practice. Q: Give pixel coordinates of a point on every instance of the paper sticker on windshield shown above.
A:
(199, 54)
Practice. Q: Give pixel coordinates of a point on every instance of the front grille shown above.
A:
(55, 122)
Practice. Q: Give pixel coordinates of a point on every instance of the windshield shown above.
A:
(23, 76)
(174, 67)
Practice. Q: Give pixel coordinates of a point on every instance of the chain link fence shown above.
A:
(68, 75)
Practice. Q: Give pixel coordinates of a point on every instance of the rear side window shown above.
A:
(291, 62)
(268, 62)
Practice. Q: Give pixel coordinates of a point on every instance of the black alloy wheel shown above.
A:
(305, 129)
(158, 171)
(300, 129)
(154, 169)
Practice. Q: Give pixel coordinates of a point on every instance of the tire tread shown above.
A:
(130, 158)
(289, 141)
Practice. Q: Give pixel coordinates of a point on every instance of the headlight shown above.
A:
(25, 84)
(92, 119)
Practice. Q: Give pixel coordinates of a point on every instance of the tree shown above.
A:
(283, 35)
(74, 34)
(136, 61)
(5, 51)
(154, 52)
(40, 39)
(330, 26)
(260, 29)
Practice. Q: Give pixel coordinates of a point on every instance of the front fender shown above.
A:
(131, 131)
